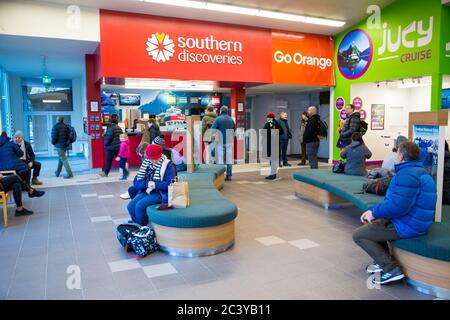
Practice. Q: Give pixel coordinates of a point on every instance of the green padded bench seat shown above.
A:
(435, 244)
(345, 186)
(208, 208)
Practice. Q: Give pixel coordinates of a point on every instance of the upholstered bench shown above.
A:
(331, 189)
(425, 260)
(206, 227)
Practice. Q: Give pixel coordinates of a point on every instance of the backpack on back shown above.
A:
(72, 134)
(363, 127)
(322, 130)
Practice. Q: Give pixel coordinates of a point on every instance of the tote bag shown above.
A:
(179, 193)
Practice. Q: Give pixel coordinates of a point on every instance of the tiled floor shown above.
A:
(285, 248)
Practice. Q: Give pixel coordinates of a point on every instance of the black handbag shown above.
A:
(339, 167)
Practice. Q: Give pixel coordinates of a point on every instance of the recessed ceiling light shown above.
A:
(51, 101)
(249, 11)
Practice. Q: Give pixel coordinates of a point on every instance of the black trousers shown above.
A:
(36, 170)
(110, 155)
(16, 185)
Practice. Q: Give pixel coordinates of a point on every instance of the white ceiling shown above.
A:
(64, 58)
(350, 11)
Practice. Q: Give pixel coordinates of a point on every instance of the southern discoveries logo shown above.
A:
(162, 48)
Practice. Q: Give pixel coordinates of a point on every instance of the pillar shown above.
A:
(237, 112)
(94, 112)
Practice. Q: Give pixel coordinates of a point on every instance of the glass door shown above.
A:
(39, 132)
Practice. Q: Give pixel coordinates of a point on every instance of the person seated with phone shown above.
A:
(407, 211)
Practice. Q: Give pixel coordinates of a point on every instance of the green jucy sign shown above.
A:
(406, 39)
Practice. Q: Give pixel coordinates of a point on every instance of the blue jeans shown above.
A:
(283, 150)
(226, 151)
(123, 166)
(132, 191)
(137, 208)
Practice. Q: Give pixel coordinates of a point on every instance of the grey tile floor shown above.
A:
(306, 252)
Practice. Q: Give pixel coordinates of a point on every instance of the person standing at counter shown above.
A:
(112, 143)
(153, 127)
(207, 121)
(225, 124)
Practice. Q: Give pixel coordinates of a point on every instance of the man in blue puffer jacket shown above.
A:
(407, 211)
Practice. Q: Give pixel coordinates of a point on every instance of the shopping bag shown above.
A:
(179, 193)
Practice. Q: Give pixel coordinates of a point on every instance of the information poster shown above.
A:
(377, 117)
(427, 138)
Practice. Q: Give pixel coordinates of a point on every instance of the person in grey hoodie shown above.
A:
(356, 154)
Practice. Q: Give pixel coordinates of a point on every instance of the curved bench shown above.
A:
(206, 227)
(425, 260)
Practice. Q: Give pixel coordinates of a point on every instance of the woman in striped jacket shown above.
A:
(151, 183)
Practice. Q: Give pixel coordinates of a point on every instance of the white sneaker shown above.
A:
(125, 196)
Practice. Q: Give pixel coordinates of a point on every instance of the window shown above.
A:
(56, 97)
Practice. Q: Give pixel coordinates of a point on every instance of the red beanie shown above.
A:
(154, 151)
(271, 115)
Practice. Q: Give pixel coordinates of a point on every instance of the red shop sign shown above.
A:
(142, 46)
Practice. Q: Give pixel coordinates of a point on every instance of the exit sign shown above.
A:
(46, 80)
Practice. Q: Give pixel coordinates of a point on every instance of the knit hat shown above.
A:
(271, 115)
(159, 140)
(153, 152)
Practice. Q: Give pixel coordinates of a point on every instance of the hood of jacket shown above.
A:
(354, 144)
(4, 140)
(211, 114)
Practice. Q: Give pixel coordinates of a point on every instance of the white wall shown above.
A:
(380, 142)
(43, 19)
(296, 104)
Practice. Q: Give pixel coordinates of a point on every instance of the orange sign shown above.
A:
(143, 46)
(302, 59)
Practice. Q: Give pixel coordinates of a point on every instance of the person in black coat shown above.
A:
(112, 143)
(271, 133)
(61, 141)
(310, 138)
(351, 125)
(29, 158)
(10, 154)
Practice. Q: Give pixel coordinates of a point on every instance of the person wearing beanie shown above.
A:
(271, 144)
(226, 126)
(303, 122)
(151, 184)
(389, 161)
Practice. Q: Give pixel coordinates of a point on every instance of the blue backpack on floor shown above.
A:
(137, 239)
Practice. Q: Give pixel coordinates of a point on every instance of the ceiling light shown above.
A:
(51, 101)
(173, 85)
(249, 11)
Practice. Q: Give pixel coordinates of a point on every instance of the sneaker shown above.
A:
(386, 277)
(287, 165)
(373, 268)
(271, 177)
(56, 174)
(125, 196)
(23, 212)
(301, 164)
(36, 182)
(102, 174)
(123, 178)
(68, 177)
(281, 166)
(228, 178)
(36, 194)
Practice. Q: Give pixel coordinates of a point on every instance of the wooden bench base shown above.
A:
(318, 195)
(430, 276)
(195, 242)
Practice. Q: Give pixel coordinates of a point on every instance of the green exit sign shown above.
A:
(46, 80)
